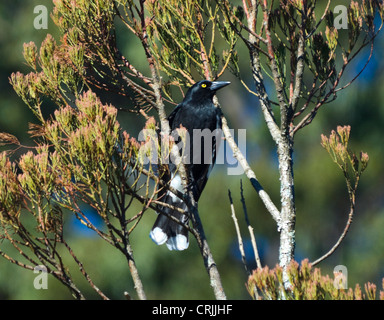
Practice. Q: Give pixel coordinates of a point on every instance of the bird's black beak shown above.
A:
(216, 85)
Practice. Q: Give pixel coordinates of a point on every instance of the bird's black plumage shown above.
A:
(199, 116)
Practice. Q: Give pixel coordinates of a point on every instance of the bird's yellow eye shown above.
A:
(203, 85)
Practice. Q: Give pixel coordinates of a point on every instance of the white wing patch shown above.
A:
(177, 184)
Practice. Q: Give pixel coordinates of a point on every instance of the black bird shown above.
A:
(199, 116)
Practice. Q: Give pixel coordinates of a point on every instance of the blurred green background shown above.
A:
(321, 194)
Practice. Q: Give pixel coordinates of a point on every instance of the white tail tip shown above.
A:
(179, 243)
(158, 236)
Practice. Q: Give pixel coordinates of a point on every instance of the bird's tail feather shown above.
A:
(168, 231)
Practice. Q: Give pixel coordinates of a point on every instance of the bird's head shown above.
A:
(205, 89)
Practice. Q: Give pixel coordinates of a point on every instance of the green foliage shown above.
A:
(53, 76)
(83, 157)
(89, 31)
(90, 152)
(193, 27)
(307, 284)
(337, 147)
(10, 193)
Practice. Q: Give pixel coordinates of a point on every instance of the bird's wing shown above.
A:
(216, 140)
(172, 115)
(205, 171)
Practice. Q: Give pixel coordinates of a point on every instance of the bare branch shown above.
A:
(250, 228)
(341, 238)
(239, 238)
(250, 173)
(192, 206)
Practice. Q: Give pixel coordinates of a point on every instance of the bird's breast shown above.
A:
(197, 117)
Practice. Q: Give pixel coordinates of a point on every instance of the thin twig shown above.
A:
(250, 173)
(239, 238)
(84, 273)
(345, 231)
(250, 228)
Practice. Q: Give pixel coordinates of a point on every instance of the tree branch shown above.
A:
(341, 238)
(250, 229)
(268, 203)
(192, 205)
(239, 238)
